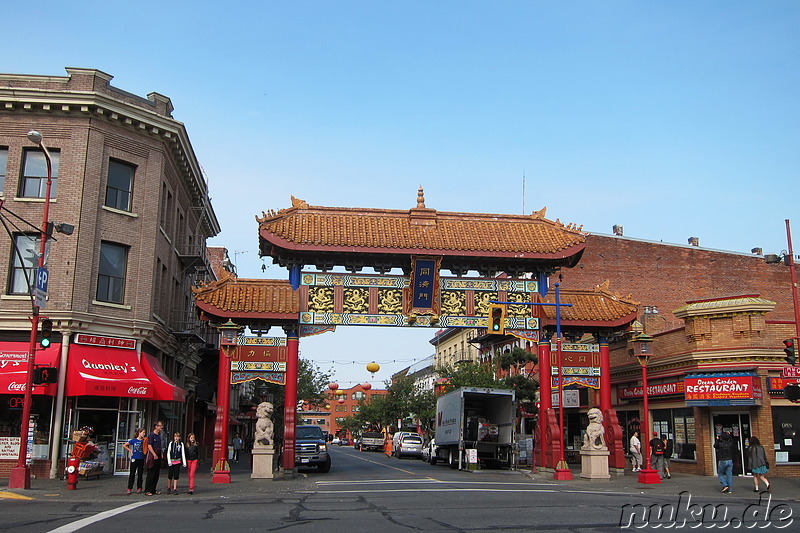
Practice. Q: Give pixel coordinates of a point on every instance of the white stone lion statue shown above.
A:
(264, 426)
(594, 438)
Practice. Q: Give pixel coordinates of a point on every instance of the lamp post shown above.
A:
(642, 350)
(21, 474)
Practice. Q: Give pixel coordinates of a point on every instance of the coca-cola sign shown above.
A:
(137, 391)
(16, 387)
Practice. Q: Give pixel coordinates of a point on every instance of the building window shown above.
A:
(356, 408)
(34, 174)
(678, 425)
(359, 395)
(786, 431)
(341, 408)
(120, 185)
(111, 277)
(24, 260)
(3, 164)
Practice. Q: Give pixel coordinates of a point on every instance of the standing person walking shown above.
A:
(724, 447)
(237, 447)
(135, 447)
(192, 452)
(176, 457)
(657, 454)
(636, 451)
(758, 463)
(668, 450)
(153, 459)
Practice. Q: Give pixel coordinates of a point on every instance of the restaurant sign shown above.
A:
(723, 389)
(660, 389)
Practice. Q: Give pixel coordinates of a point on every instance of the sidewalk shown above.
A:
(112, 488)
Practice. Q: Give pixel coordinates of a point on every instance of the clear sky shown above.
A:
(673, 119)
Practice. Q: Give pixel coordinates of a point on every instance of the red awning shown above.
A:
(101, 371)
(164, 390)
(14, 367)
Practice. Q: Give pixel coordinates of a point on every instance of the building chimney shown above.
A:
(694, 241)
(617, 229)
(757, 251)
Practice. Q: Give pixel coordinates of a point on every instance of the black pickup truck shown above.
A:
(311, 449)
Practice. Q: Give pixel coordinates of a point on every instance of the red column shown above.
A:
(605, 376)
(290, 400)
(545, 401)
(221, 469)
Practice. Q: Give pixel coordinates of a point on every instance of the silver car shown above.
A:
(409, 445)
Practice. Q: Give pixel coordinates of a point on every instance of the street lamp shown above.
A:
(643, 349)
(21, 474)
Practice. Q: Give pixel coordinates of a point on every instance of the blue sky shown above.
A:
(673, 119)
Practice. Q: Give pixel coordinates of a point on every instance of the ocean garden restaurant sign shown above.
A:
(721, 389)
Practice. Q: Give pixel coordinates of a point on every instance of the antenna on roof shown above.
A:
(523, 192)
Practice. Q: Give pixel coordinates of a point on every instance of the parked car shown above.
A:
(371, 440)
(344, 442)
(336, 440)
(409, 445)
(429, 452)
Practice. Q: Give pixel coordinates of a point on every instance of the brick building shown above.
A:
(127, 343)
(717, 319)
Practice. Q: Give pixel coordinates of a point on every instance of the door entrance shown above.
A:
(738, 425)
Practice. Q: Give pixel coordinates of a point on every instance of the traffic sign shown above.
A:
(41, 287)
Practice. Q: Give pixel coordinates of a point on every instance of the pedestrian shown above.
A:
(724, 447)
(657, 454)
(668, 450)
(152, 462)
(237, 447)
(636, 451)
(758, 463)
(192, 452)
(135, 447)
(176, 456)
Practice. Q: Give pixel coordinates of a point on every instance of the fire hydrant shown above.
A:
(73, 465)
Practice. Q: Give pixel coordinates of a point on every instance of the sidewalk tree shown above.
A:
(468, 374)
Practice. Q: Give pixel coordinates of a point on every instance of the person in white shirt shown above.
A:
(636, 452)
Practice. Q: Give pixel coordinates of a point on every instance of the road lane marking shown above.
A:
(89, 520)
(13, 496)
(387, 466)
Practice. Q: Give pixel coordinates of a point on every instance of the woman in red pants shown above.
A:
(192, 451)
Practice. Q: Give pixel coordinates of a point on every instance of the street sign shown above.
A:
(41, 287)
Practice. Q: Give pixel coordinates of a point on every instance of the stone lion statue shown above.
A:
(594, 438)
(264, 427)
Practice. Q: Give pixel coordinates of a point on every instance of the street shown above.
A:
(368, 491)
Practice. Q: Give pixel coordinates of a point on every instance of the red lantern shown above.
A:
(341, 399)
(366, 386)
(333, 385)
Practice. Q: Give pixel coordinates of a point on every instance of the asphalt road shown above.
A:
(370, 492)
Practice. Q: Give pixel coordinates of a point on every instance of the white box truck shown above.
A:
(479, 419)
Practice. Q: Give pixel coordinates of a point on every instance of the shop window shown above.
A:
(120, 185)
(111, 276)
(24, 258)
(786, 428)
(678, 425)
(34, 174)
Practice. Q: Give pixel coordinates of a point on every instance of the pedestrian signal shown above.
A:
(792, 393)
(497, 319)
(45, 374)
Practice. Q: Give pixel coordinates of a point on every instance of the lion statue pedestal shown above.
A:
(594, 452)
(263, 449)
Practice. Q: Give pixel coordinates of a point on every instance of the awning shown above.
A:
(14, 367)
(163, 389)
(101, 371)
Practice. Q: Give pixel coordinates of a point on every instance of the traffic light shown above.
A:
(497, 319)
(47, 332)
(45, 374)
(791, 355)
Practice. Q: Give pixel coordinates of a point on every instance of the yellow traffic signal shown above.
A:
(497, 319)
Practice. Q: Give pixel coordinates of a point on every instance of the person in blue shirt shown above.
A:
(135, 447)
